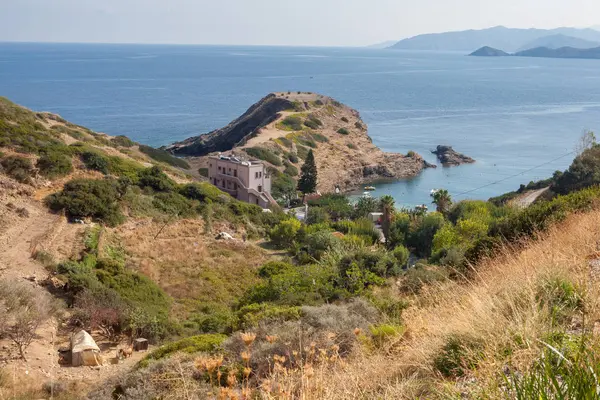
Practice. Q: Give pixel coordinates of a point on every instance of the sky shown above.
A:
(275, 22)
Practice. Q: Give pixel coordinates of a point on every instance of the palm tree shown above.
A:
(387, 208)
(442, 199)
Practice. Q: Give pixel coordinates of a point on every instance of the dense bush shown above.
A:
(82, 198)
(19, 168)
(459, 354)
(204, 192)
(95, 161)
(343, 131)
(154, 178)
(583, 172)
(284, 234)
(175, 204)
(163, 156)
(319, 138)
(302, 152)
(54, 164)
(311, 124)
(344, 119)
(264, 154)
(336, 205)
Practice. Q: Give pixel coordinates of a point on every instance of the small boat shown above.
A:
(370, 188)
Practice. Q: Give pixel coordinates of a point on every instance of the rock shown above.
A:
(448, 156)
(224, 236)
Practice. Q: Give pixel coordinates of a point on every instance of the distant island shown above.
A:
(544, 52)
(500, 37)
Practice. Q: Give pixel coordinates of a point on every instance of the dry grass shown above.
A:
(498, 307)
(190, 266)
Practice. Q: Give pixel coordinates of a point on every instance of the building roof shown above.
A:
(237, 160)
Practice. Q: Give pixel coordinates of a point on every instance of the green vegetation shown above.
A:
(343, 131)
(54, 164)
(264, 154)
(291, 123)
(308, 178)
(302, 152)
(410, 153)
(19, 168)
(163, 156)
(344, 119)
(351, 146)
(123, 141)
(193, 344)
(203, 172)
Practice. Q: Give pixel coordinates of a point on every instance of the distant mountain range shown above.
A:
(563, 52)
(560, 40)
(500, 37)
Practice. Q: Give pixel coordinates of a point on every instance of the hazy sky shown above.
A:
(277, 22)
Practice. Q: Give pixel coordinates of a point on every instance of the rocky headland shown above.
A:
(449, 157)
(282, 127)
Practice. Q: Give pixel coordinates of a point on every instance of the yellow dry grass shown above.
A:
(498, 306)
(191, 266)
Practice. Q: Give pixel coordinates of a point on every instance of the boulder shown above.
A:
(449, 157)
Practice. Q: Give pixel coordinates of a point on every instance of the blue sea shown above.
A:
(520, 118)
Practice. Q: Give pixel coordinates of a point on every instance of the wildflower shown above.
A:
(357, 331)
(271, 339)
(248, 338)
(245, 356)
(331, 335)
(231, 379)
(247, 372)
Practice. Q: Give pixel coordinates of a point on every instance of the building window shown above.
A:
(256, 175)
(235, 173)
(260, 188)
(234, 186)
(219, 168)
(256, 201)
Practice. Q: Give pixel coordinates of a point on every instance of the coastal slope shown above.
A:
(542, 52)
(282, 127)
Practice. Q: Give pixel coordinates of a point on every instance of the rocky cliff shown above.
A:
(282, 127)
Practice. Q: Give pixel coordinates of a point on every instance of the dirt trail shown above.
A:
(528, 198)
(19, 241)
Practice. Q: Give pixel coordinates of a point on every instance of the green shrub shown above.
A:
(204, 192)
(154, 178)
(311, 124)
(410, 154)
(302, 152)
(344, 119)
(18, 168)
(359, 126)
(93, 198)
(203, 172)
(284, 234)
(123, 141)
(292, 157)
(290, 169)
(53, 164)
(401, 254)
(343, 131)
(317, 215)
(351, 146)
(264, 154)
(459, 354)
(95, 161)
(174, 204)
(194, 344)
(320, 138)
(293, 123)
(337, 205)
(306, 139)
(561, 297)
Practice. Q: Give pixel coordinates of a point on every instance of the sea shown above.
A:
(520, 118)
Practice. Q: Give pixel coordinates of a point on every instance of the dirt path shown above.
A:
(528, 198)
(269, 132)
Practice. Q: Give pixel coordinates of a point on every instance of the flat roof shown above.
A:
(237, 160)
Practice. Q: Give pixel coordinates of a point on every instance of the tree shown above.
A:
(442, 199)
(586, 141)
(364, 206)
(387, 208)
(22, 311)
(308, 176)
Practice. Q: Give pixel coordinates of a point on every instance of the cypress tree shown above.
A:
(308, 177)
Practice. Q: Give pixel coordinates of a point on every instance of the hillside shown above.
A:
(499, 37)
(563, 52)
(558, 41)
(475, 299)
(282, 127)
